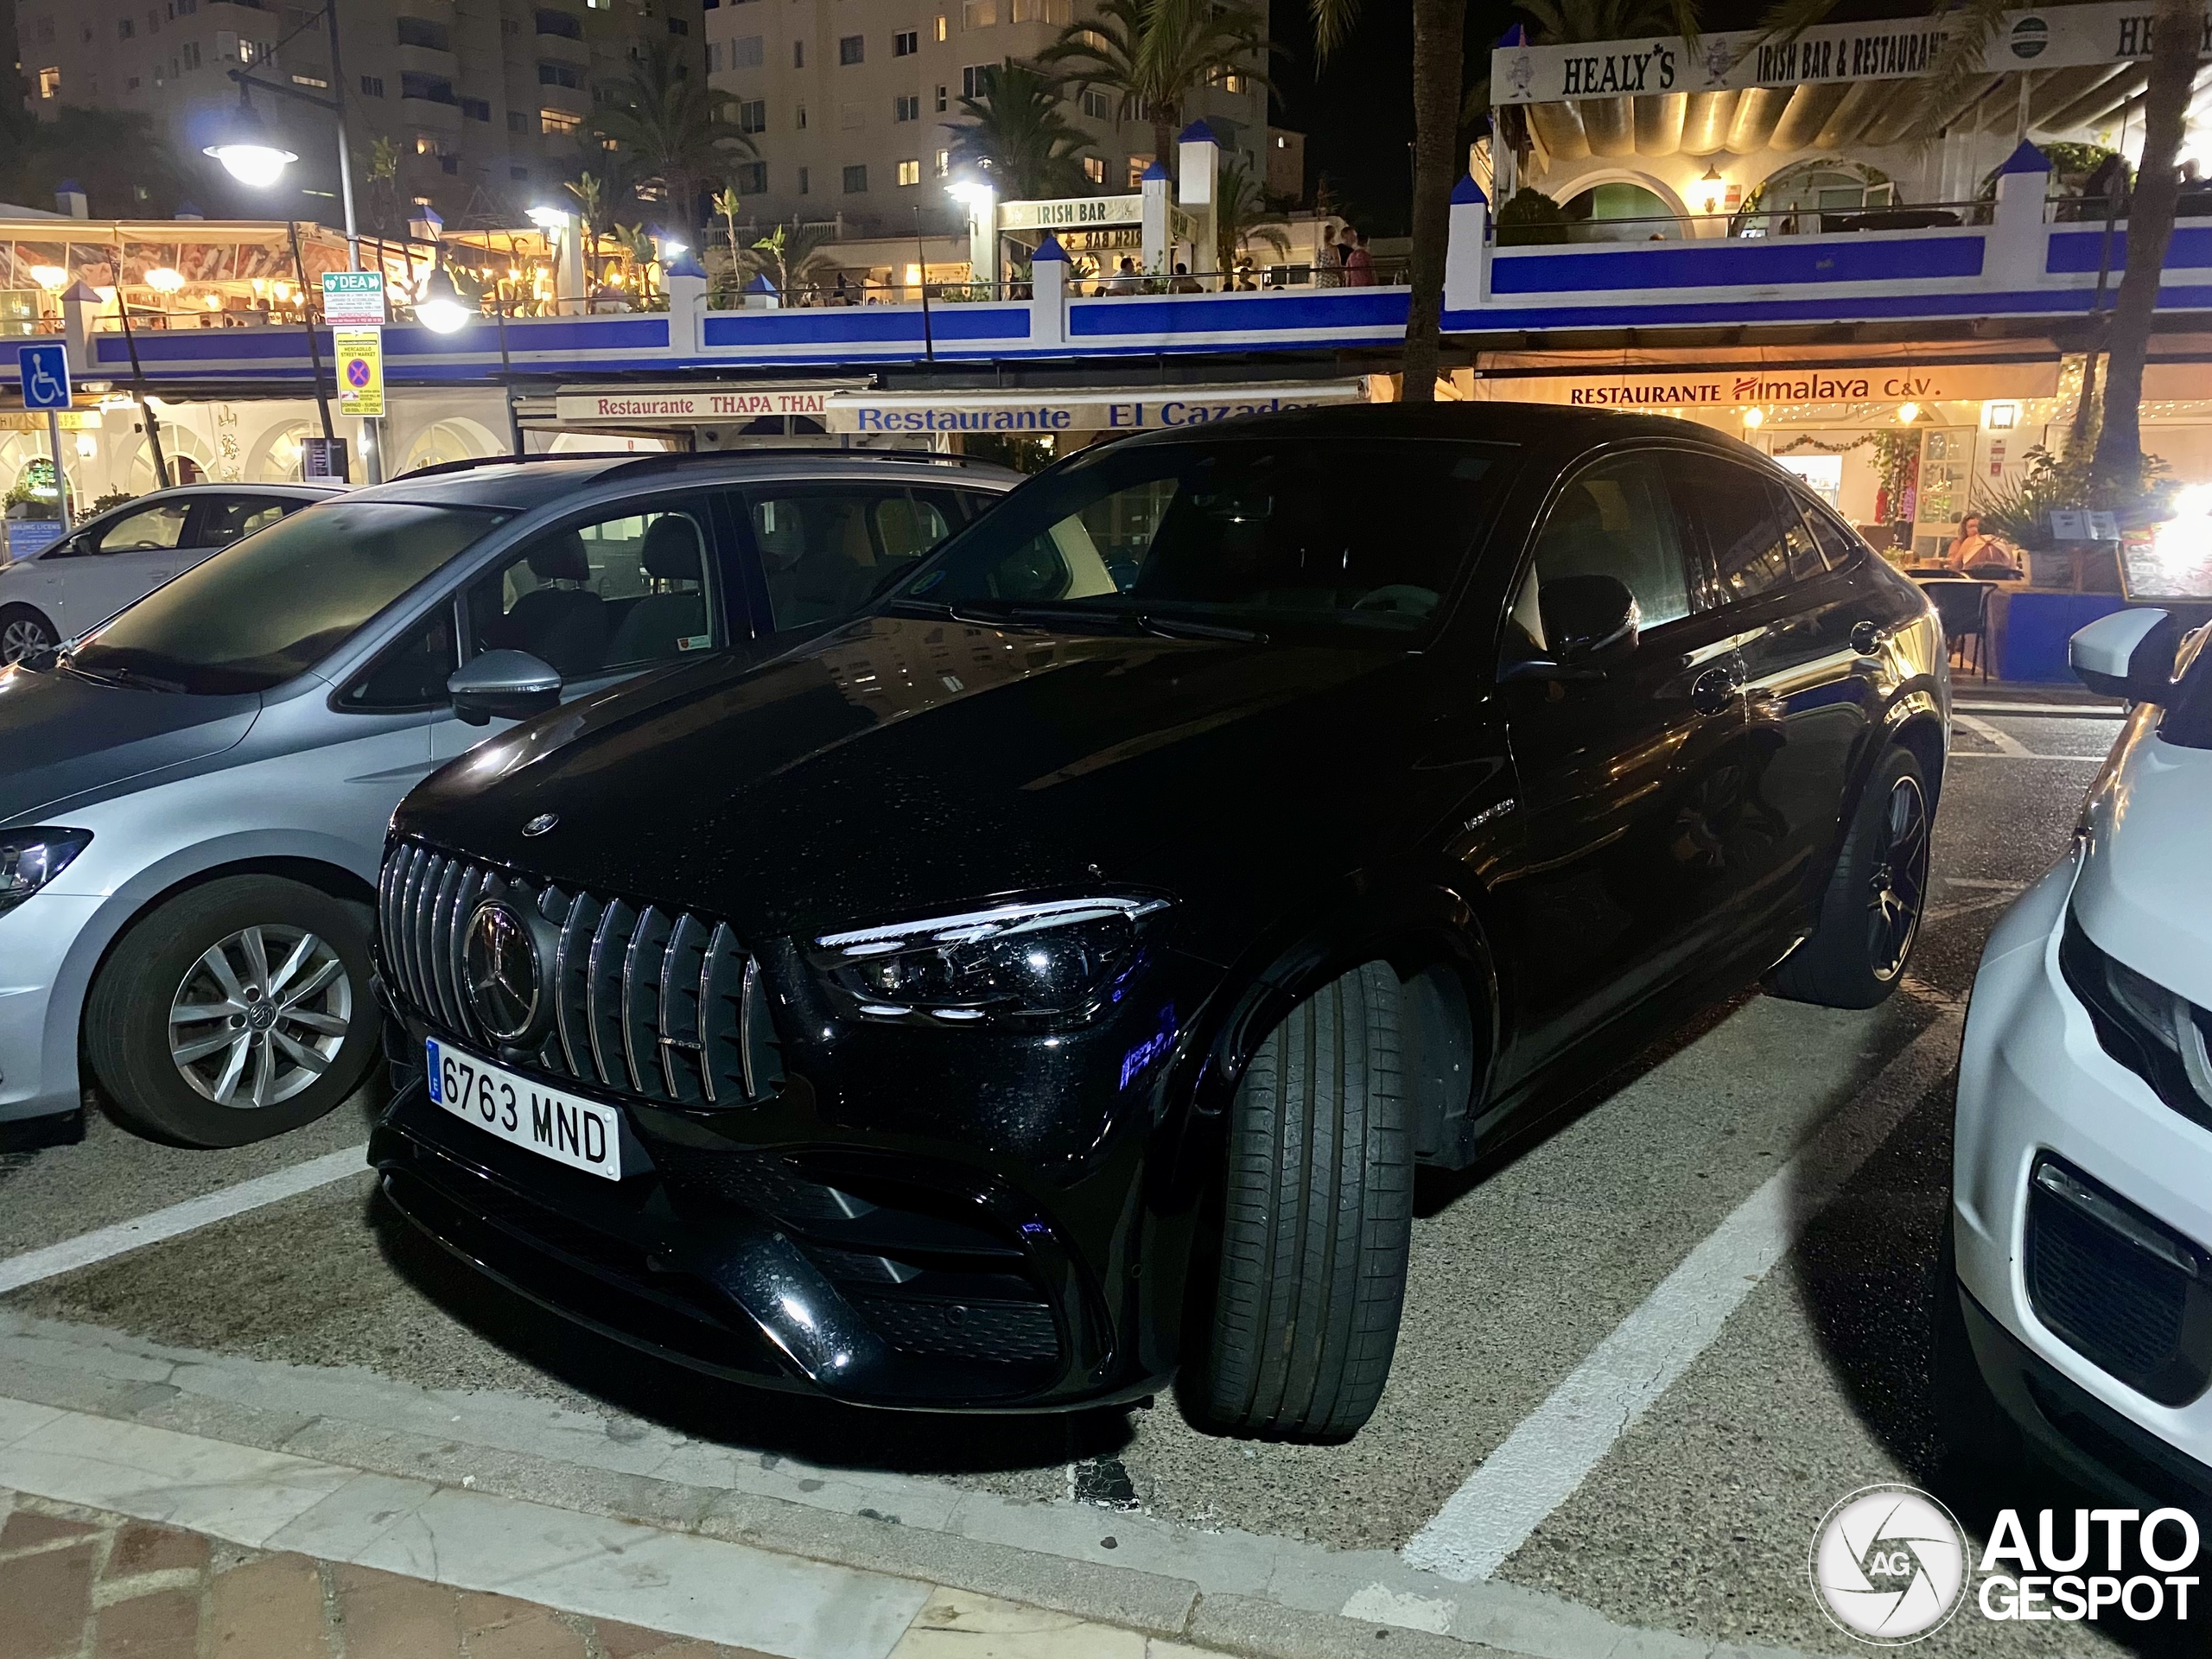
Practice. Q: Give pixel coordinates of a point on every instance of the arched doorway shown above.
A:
(457, 439)
(1622, 210)
(276, 455)
(178, 444)
(1790, 202)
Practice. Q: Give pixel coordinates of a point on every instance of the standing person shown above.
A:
(1328, 264)
(1359, 269)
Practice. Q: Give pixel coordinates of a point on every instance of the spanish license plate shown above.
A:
(582, 1134)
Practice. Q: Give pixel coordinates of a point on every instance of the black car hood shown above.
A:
(899, 764)
(62, 736)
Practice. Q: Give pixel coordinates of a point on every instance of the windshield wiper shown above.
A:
(128, 678)
(1181, 627)
(992, 613)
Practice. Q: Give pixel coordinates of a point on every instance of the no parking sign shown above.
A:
(360, 370)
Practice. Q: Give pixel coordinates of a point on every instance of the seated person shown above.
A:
(1975, 554)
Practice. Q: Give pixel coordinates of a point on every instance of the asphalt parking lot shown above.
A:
(1639, 1361)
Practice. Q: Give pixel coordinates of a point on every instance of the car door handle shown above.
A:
(1713, 691)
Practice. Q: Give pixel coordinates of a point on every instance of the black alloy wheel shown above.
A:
(1870, 916)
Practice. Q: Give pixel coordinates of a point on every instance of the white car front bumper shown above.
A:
(2034, 1081)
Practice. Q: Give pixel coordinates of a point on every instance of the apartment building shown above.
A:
(848, 102)
(484, 101)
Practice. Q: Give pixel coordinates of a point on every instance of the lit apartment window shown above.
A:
(753, 115)
(907, 107)
(856, 180)
(553, 121)
(906, 43)
(372, 85)
(979, 14)
(49, 83)
(1098, 106)
(748, 53)
(1137, 165)
(752, 178)
(315, 81)
(849, 49)
(944, 163)
(1094, 170)
(910, 172)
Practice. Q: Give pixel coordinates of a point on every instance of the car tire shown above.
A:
(1870, 916)
(1316, 1221)
(300, 1061)
(25, 629)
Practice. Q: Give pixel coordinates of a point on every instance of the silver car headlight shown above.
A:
(2158, 1034)
(1053, 960)
(31, 858)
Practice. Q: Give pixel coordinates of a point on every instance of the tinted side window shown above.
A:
(1616, 520)
(633, 588)
(1742, 528)
(1804, 553)
(411, 674)
(1838, 545)
(825, 549)
(225, 519)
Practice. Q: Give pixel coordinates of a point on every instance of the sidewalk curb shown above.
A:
(1270, 1598)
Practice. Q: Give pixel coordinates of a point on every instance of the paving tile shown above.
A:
(164, 1626)
(961, 1624)
(266, 1609)
(47, 1597)
(26, 1527)
(384, 1616)
(141, 1547)
(526, 1632)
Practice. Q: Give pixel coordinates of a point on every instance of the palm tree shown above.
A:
(1017, 135)
(1241, 217)
(678, 129)
(1153, 54)
(791, 253)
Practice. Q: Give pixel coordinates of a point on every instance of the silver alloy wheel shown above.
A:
(260, 1015)
(1898, 888)
(21, 638)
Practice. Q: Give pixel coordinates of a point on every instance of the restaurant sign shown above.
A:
(1886, 50)
(1048, 412)
(1742, 388)
(703, 407)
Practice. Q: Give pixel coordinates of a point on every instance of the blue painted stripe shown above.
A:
(863, 325)
(2073, 252)
(1251, 313)
(1784, 261)
(1869, 307)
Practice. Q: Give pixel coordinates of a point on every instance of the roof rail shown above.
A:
(440, 468)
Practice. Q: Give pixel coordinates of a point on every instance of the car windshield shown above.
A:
(275, 604)
(1228, 536)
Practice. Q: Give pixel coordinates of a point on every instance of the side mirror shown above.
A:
(2129, 654)
(1589, 620)
(503, 685)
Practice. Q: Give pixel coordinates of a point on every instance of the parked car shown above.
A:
(123, 554)
(1053, 977)
(197, 792)
(2078, 1276)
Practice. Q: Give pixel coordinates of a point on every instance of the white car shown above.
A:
(2081, 1184)
(118, 557)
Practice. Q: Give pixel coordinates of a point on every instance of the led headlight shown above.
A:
(2160, 1035)
(1052, 959)
(31, 858)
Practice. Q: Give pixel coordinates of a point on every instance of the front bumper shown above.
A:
(765, 1246)
(39, 1000)
(2036, 1085)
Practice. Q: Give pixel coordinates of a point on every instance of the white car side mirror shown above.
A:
(2128, 654)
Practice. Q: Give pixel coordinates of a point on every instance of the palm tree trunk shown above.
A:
(2176, 33)
(1439, 31)
(1163, 137)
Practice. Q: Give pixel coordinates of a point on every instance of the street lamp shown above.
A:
(439, 306)
(246, 148)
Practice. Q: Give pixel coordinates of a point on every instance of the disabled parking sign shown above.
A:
(360, 370)
(46, 375)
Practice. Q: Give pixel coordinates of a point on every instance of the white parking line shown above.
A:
(17, 1271)
(1550, 1452)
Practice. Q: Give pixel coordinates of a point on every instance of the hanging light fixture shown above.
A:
(246, 149)
(439, 306)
